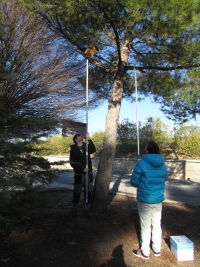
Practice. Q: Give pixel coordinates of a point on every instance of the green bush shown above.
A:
(187, 140)
(52, 146)
(98, 138)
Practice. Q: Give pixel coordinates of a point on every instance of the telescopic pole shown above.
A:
(89, 53)
(136, 99)
(86, 129)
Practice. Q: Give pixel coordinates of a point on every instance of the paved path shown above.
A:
(180, 191)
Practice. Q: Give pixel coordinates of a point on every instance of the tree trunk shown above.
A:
(101, 187)
(104, 173)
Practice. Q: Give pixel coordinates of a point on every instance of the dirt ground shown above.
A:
(43, 235)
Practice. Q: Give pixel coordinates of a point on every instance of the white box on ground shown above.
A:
(182, 248)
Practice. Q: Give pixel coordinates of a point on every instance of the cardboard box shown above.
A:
(182, 248)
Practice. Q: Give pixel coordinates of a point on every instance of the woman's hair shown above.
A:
(153, 148)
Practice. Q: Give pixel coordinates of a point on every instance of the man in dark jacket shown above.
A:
(149, 177)
(78, 163)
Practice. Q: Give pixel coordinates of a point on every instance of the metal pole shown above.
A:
(89, 53)
(136, 99)
(86, 129)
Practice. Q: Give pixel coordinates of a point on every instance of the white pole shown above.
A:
(136, 99)
(86, 129)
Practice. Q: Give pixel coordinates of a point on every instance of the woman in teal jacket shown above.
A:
(149, 177)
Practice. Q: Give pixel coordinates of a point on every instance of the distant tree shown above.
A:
(187, 140)
(162, 134)
(147, 131)
(127, 132)
(153, 129)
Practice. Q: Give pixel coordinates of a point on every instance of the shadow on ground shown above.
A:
(43, 235)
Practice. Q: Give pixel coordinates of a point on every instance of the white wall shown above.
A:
(177, 169)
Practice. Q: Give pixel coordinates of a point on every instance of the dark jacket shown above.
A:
(149, 177)
(78, 159)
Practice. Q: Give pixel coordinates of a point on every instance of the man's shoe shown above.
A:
(139, 254)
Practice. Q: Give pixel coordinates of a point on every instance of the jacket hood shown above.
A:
(154, 160)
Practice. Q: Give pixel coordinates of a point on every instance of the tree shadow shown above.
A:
(167, 241)
(117, 258)
(133, 207)
(52, 239)
(115, 188)
(120, 179)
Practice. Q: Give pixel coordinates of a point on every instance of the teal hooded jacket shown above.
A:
(149, 177)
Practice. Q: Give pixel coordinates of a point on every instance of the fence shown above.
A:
(177, 169)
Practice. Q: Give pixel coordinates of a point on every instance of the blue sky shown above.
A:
(97, 117)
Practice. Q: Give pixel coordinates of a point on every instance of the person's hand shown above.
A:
(86, 170)
(87, 136)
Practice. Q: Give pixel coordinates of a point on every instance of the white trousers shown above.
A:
(150, 226)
